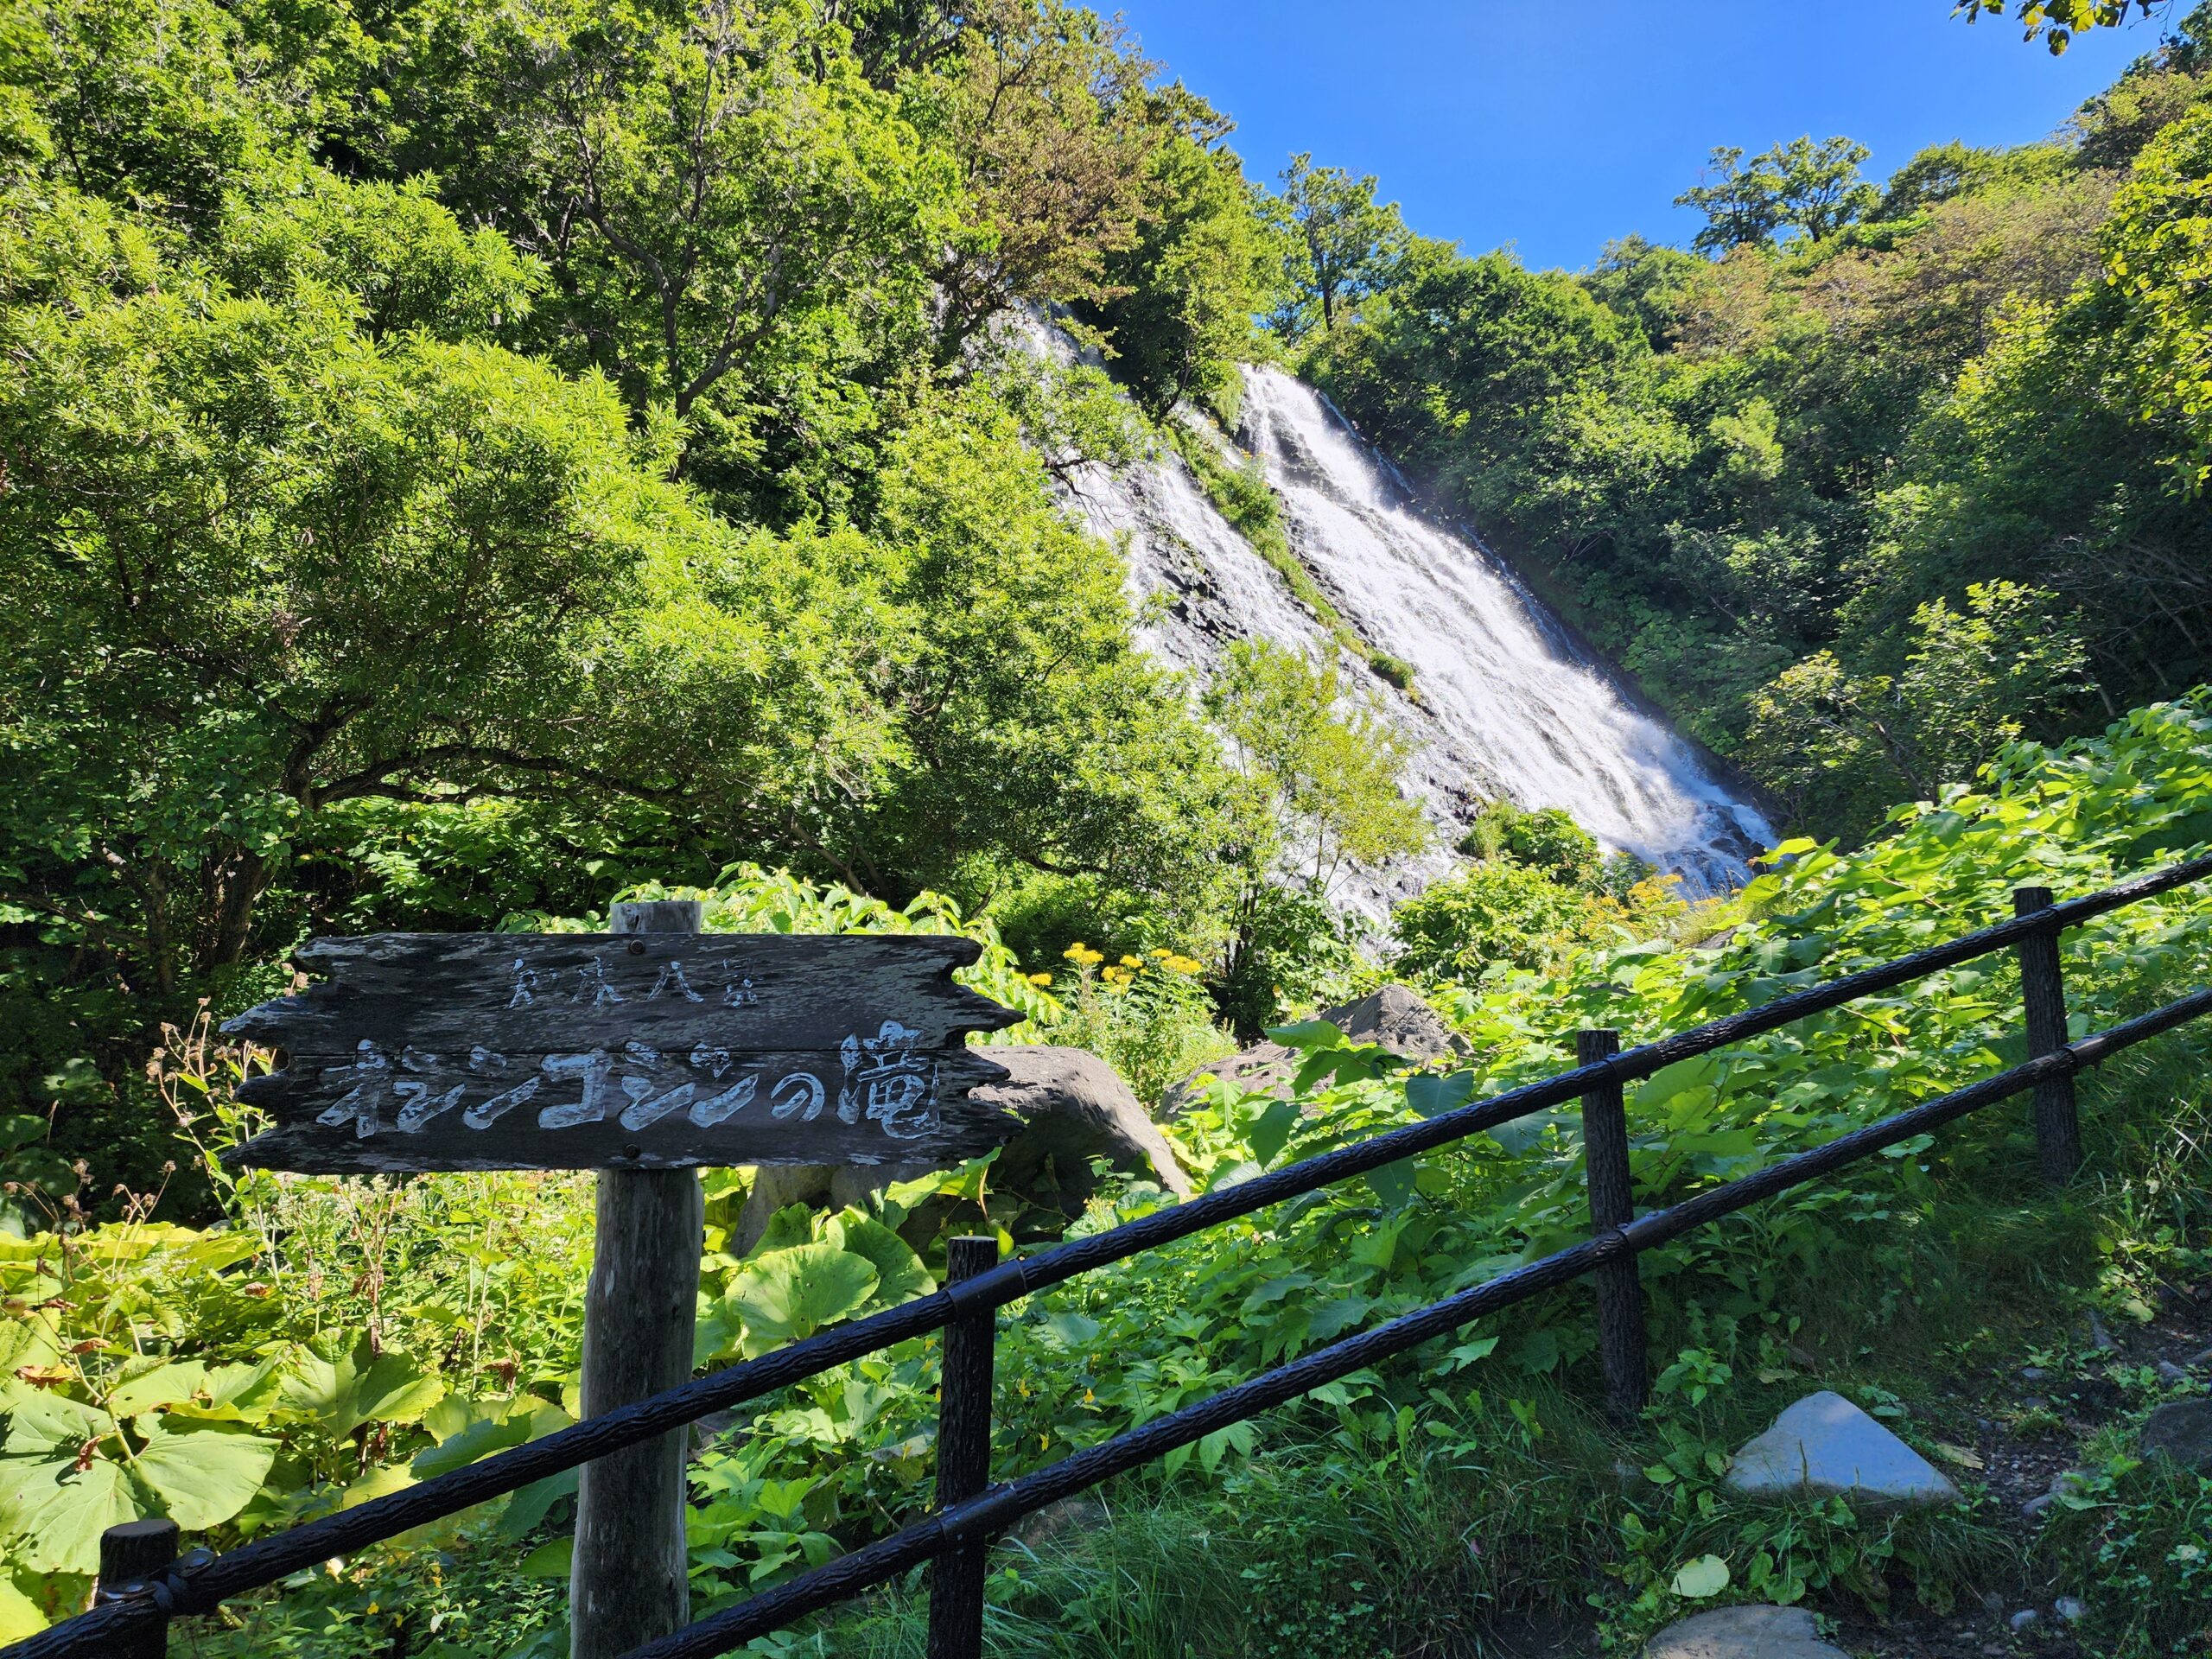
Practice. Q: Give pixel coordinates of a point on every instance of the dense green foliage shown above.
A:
(462, 463)
(459, 461)
(1895, 476)
(146, 1335)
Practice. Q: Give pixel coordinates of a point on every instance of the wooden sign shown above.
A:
(651, 1050)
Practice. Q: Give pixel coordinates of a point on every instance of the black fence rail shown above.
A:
(144, 1587)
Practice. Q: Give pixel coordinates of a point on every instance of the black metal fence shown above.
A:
(143, 1586)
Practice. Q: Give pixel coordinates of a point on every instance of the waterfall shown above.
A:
(1503, 700)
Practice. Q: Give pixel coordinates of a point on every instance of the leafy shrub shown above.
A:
(1504, 914)
(1148, 1016)
(1548, 840)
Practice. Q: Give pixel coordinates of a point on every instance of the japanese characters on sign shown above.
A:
(475, 1051)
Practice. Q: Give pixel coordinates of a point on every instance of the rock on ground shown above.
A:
(1744, 1633)
(2182, 1430)
(1074, 1107)
(1394, 1017)
(1823, 1446)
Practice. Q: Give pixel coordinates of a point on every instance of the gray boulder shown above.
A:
(1744, 1633)
(1076, 1107)
(2182, 1430)
(1394, 1017)
(1824, 1446)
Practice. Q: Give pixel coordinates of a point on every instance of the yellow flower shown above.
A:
(1185, 964)
(1132, 962)
(1040, 979)
(1082, 955)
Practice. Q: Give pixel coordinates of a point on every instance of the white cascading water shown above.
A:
(1503, 700)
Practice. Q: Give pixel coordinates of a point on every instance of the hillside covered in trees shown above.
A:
(461, 464)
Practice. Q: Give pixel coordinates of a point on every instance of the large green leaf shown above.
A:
(788, 1295)
(359, 1388)
(244, 1393)
(204, 1473)
(19, 1614)
(162, 1384)
(900, 1274)
(57, 1493)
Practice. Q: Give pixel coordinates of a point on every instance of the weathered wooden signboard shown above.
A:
(651, 1050)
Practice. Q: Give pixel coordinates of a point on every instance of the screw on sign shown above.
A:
(641, 1054)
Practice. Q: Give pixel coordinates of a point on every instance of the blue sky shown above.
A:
(1556, 124)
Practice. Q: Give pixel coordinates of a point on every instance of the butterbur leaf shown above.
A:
(1331, 1317)
(380, 1481)
(1538, 1353)
(1702, 1578)
(791, 1225)
(789, 1296)
(360, 1388)
(1071, 1329)
(1669, 1081)
(900, 1274)
(168, 1383)
(1393, 1184)
(1468, 1352)
(1308, 1035)
(19, 1614)
(529, 1505)
(56, 1511)
(204, 1473)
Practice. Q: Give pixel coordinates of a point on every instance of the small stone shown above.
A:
(2034, 1402)
(2100, 1338)
(2069, 1608)
(1826, 1446)
(1079, 1514)
(2031, 1373)
(2199, 1362)
(2182, 1430)
(2025, 1616)
(2171, 1373)
(2035, 1507)
(1744, 1633)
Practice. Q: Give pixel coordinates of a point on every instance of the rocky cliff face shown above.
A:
(1502, 701)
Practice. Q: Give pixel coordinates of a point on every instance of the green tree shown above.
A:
(1841, 748)
(260, 562)
(1813, 189)
(1191, 286)
(1320, 770)
(1341, 244)
(2157, 252)
(2057, 22)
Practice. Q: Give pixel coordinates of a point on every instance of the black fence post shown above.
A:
(1621, 1344)
(130, 1554)
(963, 1457)
(2042, 989)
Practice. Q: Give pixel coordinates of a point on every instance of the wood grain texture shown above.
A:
(500, 1051)
(628, 1580)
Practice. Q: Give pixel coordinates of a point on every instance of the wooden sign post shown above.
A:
(642, 1053)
